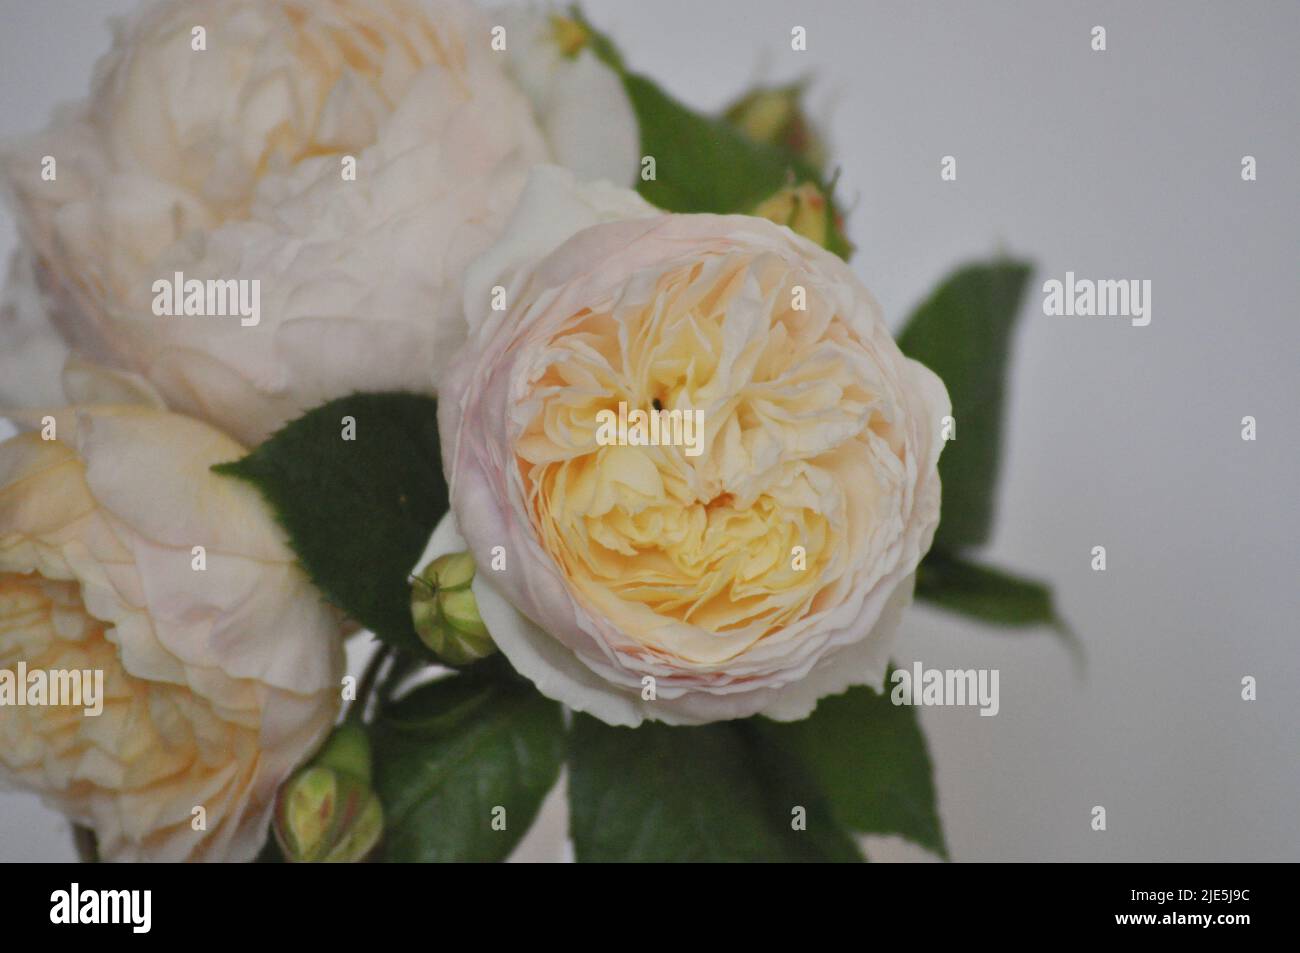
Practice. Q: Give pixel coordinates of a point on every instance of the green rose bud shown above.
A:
(327, 813)
(774, 115)
(445, 611)
(450, 571)
(802, 207)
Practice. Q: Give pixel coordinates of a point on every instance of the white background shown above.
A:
(1123, 164)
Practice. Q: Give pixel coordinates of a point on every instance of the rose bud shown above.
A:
(327, 812)
(801, 208)
(775, 115)
(445, 611)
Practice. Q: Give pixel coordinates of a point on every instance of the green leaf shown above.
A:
(358, 512)
(451, 752)
(705, 164)
(990, 595)
(870, 758)
(713, 793)
(963, 334)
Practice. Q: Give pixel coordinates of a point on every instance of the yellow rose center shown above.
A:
(155, 742)
(740, 539)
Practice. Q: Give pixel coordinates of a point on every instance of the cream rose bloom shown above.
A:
(229, 163)
(217, 682)
(646, 582)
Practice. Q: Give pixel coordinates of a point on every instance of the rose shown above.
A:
(640, 582)
(231, 163)
(221, 667)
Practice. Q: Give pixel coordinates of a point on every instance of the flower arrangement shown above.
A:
(402, 318)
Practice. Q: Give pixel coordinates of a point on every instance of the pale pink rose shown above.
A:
(230, 163)
(219, 676)
(755, 577)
